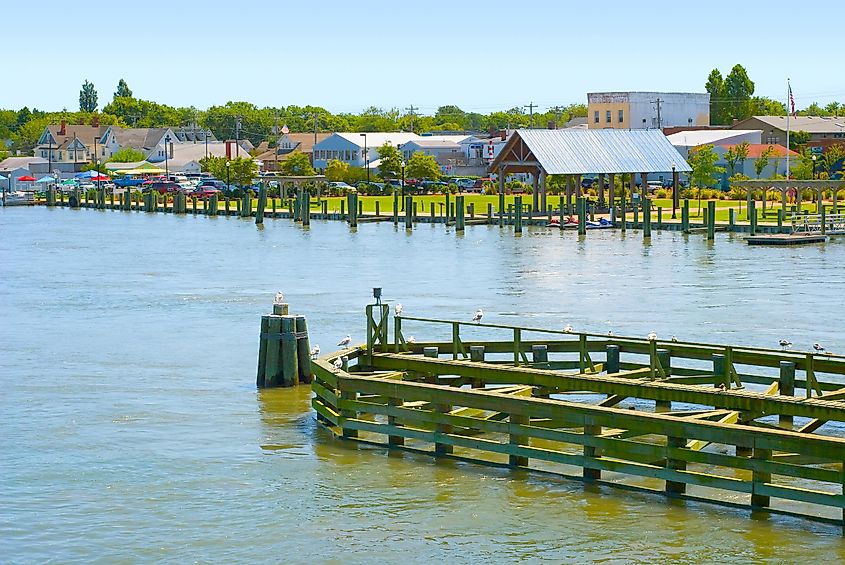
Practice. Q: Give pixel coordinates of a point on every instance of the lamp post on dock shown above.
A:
(366, 156)
(402, 166)
(228, 184)
(674, 192)
(166, 156)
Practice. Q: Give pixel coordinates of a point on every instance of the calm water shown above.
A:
(131, 431)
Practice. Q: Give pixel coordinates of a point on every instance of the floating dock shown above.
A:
(786, 239)
(684, 419)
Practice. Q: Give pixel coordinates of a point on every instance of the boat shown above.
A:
(568, 222)
(603, 223)
(19, 198)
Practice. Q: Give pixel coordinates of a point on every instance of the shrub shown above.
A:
(661, 193)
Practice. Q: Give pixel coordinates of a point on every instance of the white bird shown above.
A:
(345, 341)
(652, 336)
(398, 308)
(478, 315)
(337, 363)
(674, 339)
(315, 351)
(722, 386)
(785, 343)
(411, 340)
(567, 328)
(279, 299)
(818, 347)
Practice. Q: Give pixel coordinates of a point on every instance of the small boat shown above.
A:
(603, 223)
(19, 198)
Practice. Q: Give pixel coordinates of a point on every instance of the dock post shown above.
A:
(395, 207)
(343, 208)
(581, 210)
(660, 217)
(353, 210)
(272, 207)
(685, 216)
(303, 349)
(290, 362)
(720, 370)
(590, 429)
(760, 478)
(489, 213)
(711, 220)
(517, 225)
(213, 205)
(378, 209)
(501, 209)
(432, 352)
(262, 202)
(476, 354)
(637, 215)
(540, 354)
(780, 218)
(306, 208)
(360, 209)
(786, 387)
(416, 216)
(611, 363)
(664, 357)
(431, 212)
(624, 212)
(752, 215)
(731, 219)
(194, 205)
(675, 464)
(517, 440)
(459, 213)
(822, 217)
(239, 206)
(409, 218)
(448, 208)
(646, 218)
(269, 372)
(226, 205)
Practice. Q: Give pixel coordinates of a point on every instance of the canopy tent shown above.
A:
(26, 178)
(101, 178)
(144, 171)
(46, 179)
(88, 174)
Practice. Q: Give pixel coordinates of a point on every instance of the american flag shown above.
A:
(791, 100)
(285, 129)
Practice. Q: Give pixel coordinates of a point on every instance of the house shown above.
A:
(13, 168)
(150, 141)
(444, 152)
(287, 144)
(688, 139)
(356, 148)
(823, 131)
(647, 110)
(186, 157)
(67, 148)
(776, 162)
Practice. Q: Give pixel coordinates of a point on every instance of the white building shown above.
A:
(647, 110)
(686, 140)
(349, 147)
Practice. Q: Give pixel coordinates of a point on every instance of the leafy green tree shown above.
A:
(763, 160)
(762, 106)
(127, 155)
(87, 98)
(241, 171)
(835, 109)
(122, 90)
(739, 89)
(798, 140)
(833, 158)
(715, 85)
(391, 161)
(297, 164)
(422, 166)
(736, 154)
(336, 170)
(703, 160)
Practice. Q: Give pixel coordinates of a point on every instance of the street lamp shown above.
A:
(402, 166)
(366, 156)
(98, 177)
(674, 192)
(814, 167)
(228, 184)
(166, 155)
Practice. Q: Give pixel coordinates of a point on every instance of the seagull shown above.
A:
(337, 363)
(674, 339)
(818, 347)
(567, 328)
(785, 343)
(652, 336)
(345, 341)
(279, 299)
(411, 340)
(609, 332)
(722, 386)
(398, 309)
(478, 315)
(315, 351)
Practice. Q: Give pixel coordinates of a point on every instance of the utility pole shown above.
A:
(315, 116)
(134, 118)
(531, 107)
(410, 109)
(237, 136)
(659, 121)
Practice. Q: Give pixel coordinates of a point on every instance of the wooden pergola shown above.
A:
(296, 181)
(575, 153)
(818, 187)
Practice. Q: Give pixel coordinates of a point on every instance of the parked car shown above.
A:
(464, 183)
(162, 187)
(340, 185)
(479, 183)
(212, 183)
(653, 185)
(127, 181)
(205, 192)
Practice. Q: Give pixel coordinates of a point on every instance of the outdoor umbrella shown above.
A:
(100, 178)
(45, 180)
(26, 178)
(88, 174)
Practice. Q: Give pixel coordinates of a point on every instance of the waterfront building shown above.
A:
(647, 110)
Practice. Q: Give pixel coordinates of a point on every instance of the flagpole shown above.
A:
(788, 111)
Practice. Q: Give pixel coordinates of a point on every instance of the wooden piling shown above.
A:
(262, 203)
(685, 216)
(501, 209)
(539, 353)
(290, 361)
(731, 220)
(786, 387)
(409, 217)
(711, 220)
(273, 374)
(306, 208)
(664, 359)
(517, 225)
(303, 350)
(378, 210)
(752, 215)
(646, 218)
(720, 370)
(432, 352)
(581, 210)
(395, 208)
(459, 213)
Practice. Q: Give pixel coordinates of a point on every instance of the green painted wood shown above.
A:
(517, 204)
(685, 216)
(262, 351)
(325, 413)
(460, 220)
(303, 350)
(273, 376)
(647, 217)
(581, 210)
(711, 220)
(262, 203)
(289, 360)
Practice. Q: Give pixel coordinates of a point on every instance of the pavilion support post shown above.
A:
(543, 200)
(569, 194)
(601, 190)
(632, 185)
(611, 189)
(577, 180)
(643, 187)
(535, 195)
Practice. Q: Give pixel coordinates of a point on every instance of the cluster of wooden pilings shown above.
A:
(284, 352)
(699, 418)
(454, 212)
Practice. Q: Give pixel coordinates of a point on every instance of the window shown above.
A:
(44, 154)
(60, 156)
(621, 116)
(354, 155)
(607, 117)
(596, 116)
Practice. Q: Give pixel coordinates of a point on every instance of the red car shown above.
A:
(163, 187)
(204, 192)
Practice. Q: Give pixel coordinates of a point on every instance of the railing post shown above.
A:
(786, 387)
(590, 429)
(720, 370)
(664, 357)
(612, 360)
(456, 338)
(540, 354)
(676, 487)
(517, 345)
(516, 440)
(759, 478)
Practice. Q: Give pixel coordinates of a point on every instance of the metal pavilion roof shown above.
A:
(581, 152)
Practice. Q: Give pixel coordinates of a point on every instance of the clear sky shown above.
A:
(346, 55)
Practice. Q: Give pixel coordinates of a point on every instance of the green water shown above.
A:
(131, 431)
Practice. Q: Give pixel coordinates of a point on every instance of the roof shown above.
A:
(305, 141)
(139, 138)
(85, 133)
(694, 138)
(12, 163)
(377, 138)
(755, 150)
(449, 137)
(184, 153)
(810, 124)
(581, 152)
(433, 143)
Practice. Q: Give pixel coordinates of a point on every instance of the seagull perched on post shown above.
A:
(345, 341)
(818, 347)
(478, 315)
(785, 344)
(652, 336)
(397, 309)
(674, 339)
(567, 328)
(337, 363)
(315, 351)
(280, 298)
(411, 340)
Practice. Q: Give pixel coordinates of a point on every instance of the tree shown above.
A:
(297, 164)
(798, 140)
(762, 106)
(391, 161)
(736, 154)
(833, 157)
(738, 90)
(715, 85)
(337, 170)
(763, 160)
(422, 166)
(87, 98)
(703, 159)
(122, 90)
(241, 171)
(126, 155)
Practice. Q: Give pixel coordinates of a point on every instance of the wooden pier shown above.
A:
(690, 420)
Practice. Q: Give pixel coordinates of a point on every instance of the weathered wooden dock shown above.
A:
(785, 239)
(690, 420)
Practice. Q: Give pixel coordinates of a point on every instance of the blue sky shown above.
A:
(345, 56)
